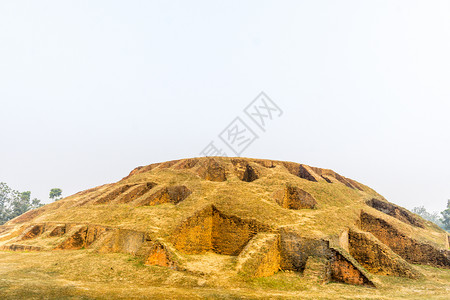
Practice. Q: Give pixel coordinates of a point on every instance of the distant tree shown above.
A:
(14, 203)
(20, 203)
(5, 192)
(432, 217)
(446, 217)
(55, 194)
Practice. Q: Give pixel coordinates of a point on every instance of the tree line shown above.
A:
(14, 203)
(442, 219)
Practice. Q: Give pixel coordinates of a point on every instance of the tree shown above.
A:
(5, 192)
(446, 217)
(20, 203)
(432, 217)
(14, 203)
(55, 194)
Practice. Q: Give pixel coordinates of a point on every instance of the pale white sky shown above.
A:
(91, 89)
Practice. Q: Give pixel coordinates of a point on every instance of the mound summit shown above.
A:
(257, 217)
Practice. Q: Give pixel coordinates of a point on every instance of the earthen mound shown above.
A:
(240, 216)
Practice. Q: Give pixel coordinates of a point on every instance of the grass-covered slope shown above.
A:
(200, 218)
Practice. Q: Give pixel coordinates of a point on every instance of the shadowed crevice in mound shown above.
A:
(244, 171)
(211, 170)
(111, 195)
(318, 174)
(159, 255)
(344, 269)
(300, 171)
(171, 194)
(81, 237)
(396, 212)
(209, 230)
(294, 198)
(296, 250)
(331, 176)
(117, 240)
(45, 230)
(76, 236)
(32, 232)
(58, 230)
(376, 257)
(326, 179)
(411, 250)
(135, 192)
(124, 193)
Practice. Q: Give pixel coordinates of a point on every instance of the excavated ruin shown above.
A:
(408, 248)
(244, 171)
(376, 257)
(211, 170)
(171, 194)
(266, 216)
(210, 230)
(396, 212)
(158, 255)
(292, 197)
(261, 256)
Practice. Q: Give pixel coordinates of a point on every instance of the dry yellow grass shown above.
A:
(83, 274)
(338, 206)
(80, 274)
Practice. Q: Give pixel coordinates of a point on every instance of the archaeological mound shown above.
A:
(261, 216)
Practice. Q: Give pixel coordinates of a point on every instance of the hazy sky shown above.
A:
(91, 89)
